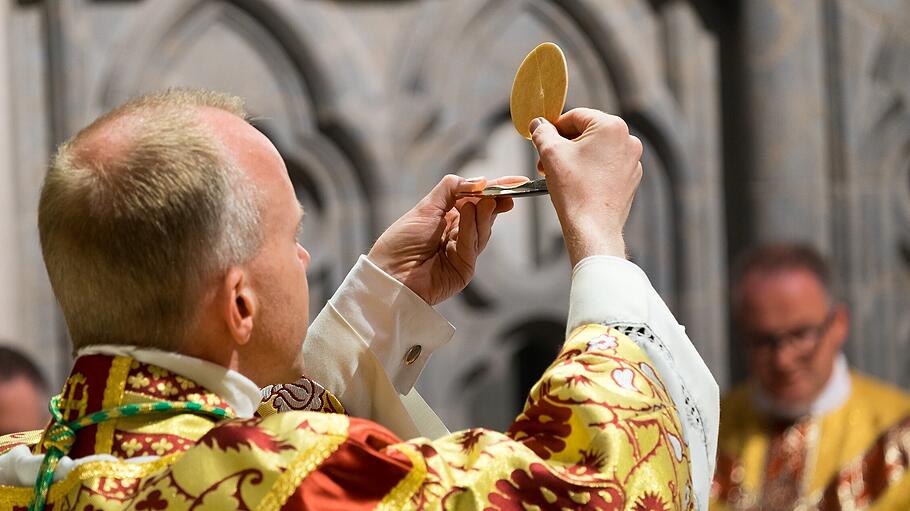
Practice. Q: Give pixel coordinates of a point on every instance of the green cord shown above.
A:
(61, 435)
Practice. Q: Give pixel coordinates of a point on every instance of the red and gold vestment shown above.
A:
(599, 431)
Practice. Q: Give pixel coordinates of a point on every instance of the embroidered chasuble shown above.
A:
(854, 457)
(598, 431)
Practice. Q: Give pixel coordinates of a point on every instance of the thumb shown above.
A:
(544, 135)
(444, 194)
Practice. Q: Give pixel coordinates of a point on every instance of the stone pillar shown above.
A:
(9, 299)
(784, 79)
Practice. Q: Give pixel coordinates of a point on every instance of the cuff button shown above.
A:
(413, 354)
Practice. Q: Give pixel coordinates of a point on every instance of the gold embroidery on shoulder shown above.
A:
(72, 404)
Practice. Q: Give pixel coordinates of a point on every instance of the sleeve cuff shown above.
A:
(400, 329)
(607, 289)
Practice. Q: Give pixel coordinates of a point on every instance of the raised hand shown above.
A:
(593, 169)
(433, 248)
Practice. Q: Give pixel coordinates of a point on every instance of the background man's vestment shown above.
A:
(850, 452)
(600, 429)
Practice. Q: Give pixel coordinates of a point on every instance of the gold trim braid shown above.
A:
(297, 470)
(405, 489)
(113, 395)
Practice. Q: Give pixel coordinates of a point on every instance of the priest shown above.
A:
(806, 431)
(169, 230)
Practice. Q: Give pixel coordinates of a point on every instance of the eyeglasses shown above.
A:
(802, 341)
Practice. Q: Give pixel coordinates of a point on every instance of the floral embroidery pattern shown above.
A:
(605, 342)
(546, 491)
(130, 445)
(243, 434)
(156, 382)
(469, 439)
(650, 502)
(597, 432)
(152, 502)
(162, 446)
(543, 427)
(138, 381)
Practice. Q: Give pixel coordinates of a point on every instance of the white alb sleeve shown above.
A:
(613, 291)
(369, 345)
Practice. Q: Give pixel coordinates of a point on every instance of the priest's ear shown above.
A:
(240, 305)
(840, 325)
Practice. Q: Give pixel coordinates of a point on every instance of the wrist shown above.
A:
(380, 257)
(588, 248)
(585, 241)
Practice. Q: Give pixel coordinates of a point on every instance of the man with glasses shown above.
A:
(805, 431)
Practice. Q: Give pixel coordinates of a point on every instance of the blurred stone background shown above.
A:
(762, 120)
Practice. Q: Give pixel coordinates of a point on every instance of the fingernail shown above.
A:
(474, 179)
(535, 122)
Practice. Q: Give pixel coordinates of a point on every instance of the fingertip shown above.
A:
(509, 180)
(471, 184)
(637, 146)
(486, 205)
(504, 204)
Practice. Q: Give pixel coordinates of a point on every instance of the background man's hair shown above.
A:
(14, 364)
(130, 233)
(779, 257)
